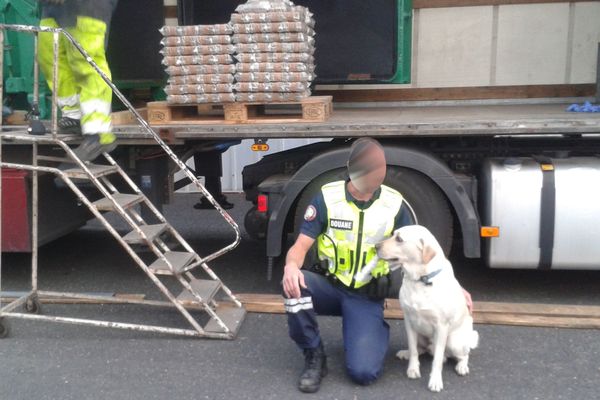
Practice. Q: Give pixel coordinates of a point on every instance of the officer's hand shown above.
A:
(293, 279)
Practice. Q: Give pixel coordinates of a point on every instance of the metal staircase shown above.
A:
(155, 246)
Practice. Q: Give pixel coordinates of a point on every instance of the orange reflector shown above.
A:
(490, 231)
(547, 167)
(260, 147)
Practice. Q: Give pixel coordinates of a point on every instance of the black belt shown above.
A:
(363, 290)
(548, 212)
(320, 269)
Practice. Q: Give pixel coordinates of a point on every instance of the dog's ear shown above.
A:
(428, 252)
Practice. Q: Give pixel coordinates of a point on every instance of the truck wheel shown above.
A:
(425, 199)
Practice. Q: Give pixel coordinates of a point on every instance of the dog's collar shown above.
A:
(426, 279)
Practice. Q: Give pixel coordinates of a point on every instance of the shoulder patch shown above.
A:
(310, 214)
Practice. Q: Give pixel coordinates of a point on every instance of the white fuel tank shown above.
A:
(512, 201)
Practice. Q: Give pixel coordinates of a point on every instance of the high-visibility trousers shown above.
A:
(81, 92)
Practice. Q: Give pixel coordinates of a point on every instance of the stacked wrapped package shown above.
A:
(274, 42)
(199, 62)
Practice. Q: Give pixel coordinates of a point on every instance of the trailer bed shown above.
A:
(463, 120)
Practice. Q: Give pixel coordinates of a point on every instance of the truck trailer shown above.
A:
(469, 99)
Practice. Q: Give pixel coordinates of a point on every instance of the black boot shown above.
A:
(204, 204)
(315, 368)
(69, 125)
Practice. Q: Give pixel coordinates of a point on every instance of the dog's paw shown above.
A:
(436, 384)
(413, 373)
(462, 368)
(403, 354)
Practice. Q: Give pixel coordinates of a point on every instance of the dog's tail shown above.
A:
(474, 342)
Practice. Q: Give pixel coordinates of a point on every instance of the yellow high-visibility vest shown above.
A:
(348, 243)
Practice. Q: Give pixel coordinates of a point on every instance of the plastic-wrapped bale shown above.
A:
(275, 45)
(270, 97)
(274, 27)
(260, 77)
(197, 30)
(203, 88)
(184, 70)
(186, 79)
(273, 37)
(196, 40)
(200, 64)
(251, 58)
(295, 14)
(201, 98)
(275, 67)
(252, 6)
(213, 49)
(220, 59)
(282, 87)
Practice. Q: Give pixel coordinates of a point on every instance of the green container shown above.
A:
(18, 56)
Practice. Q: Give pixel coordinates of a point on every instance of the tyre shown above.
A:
(33, 305)
(255, 224)
(4, 328)
(426, 201)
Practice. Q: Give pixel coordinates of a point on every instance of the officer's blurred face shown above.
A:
(367, 170)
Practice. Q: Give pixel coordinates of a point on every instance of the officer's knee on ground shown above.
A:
(362, 376)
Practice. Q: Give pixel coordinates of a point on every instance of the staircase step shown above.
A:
(151, 232)
(97, 170)
(124, 200)
(61, 160)
(207, 289)
(231, 315)
(178, 260)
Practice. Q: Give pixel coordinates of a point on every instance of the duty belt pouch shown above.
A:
(379, 288)
(321, 268)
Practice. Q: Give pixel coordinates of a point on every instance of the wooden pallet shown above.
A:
(127, 118)
(311, 109)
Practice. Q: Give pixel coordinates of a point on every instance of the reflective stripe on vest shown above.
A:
(348, 243)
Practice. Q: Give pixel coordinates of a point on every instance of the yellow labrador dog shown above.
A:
(436, 316)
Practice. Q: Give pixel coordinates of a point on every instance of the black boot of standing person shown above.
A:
(213, 185)
(209, 165)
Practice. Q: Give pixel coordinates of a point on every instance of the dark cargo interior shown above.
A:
(356, 40)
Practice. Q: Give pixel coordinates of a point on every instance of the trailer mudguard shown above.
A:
(417, 160)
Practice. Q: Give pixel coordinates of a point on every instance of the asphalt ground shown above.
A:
(51, 361)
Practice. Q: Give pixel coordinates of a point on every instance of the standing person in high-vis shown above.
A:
(346, 219)
(83, 97)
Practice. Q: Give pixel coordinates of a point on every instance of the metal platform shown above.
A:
(424, 121)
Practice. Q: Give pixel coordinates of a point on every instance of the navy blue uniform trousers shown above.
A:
(366, 334)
